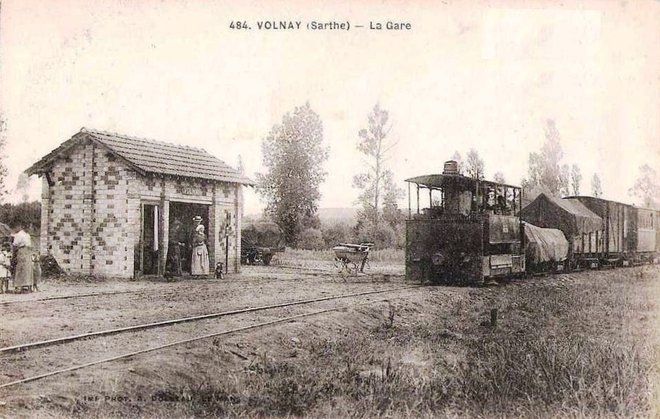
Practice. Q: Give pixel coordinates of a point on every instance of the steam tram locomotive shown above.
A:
(474, 230)
(469, 232)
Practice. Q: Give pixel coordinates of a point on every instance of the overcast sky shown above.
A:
(469, 74)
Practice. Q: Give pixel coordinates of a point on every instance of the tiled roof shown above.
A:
(149, 156)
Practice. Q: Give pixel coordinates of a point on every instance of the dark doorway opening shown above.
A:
(149, 250)
(182, 228)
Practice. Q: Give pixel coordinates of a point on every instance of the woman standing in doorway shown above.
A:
(23, 274)
(200, 254)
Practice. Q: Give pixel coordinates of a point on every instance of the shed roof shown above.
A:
(149, 156)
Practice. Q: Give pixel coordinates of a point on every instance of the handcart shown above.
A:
(351, 258)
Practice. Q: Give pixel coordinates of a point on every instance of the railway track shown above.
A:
(314, 272)
(85, 336)
(108, 332)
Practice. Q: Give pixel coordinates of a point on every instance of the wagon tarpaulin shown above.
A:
(570, 216)
(545, 244)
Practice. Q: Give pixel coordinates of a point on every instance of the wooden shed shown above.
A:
(109, 200)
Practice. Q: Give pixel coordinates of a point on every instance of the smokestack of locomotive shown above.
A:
(451, 168)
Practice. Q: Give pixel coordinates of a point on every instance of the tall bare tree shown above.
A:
(596, 188)
(376, 183)
(499, 177)
(576, 179)
(474, 165)
(647, 186)
(564, 180)
(544, 167)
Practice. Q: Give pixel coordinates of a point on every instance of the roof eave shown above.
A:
(44, 164)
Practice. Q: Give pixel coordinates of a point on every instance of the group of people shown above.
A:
(199, 256)
(19, 264)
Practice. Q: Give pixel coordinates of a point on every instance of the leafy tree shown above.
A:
(474, 165)
(3, 168)
(499, 177)
(379, 192)
(596, 189)
(647, 187)
(544, 169)
(293, 155)
(576, 178)
(392, 214)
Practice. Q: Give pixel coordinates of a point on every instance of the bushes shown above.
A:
(311, 239)
(336, 233)
(383, 235)
(27, 214)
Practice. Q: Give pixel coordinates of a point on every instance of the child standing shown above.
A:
(5, 264)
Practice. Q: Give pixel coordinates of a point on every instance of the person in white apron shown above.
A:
(23, 274)
(200, 255)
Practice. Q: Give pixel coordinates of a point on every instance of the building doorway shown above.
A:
(149, 249)
(182, 228)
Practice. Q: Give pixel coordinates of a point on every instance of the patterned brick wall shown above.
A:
(87, 227)
(91, 221)
(112, 253)
(66, 218)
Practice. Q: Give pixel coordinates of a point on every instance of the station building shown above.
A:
(109, 202)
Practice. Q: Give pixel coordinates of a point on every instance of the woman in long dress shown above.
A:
(200, 255)
(23, 274)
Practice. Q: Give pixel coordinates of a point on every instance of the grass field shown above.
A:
(580, 345)
(573, 345)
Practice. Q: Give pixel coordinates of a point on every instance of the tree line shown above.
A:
(294, 154)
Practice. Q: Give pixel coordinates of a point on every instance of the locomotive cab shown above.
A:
(469, 232)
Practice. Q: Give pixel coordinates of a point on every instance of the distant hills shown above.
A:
(338, 215)
(328, 216)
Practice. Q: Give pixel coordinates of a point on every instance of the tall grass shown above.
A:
(557, 351)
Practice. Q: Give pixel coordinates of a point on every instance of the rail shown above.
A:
(108, 332)
(182, 342)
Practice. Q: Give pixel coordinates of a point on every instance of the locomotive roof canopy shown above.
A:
(451, 181)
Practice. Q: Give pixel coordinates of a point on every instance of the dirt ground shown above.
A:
(385, 352)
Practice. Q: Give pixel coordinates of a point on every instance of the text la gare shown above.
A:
(390, 26)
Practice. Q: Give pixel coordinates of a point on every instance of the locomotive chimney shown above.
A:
(451, 168)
